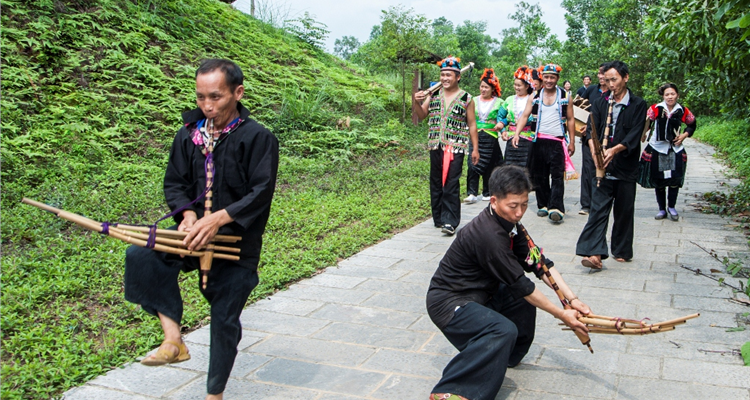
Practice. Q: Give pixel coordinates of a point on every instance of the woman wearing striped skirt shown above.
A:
(488, 124)
(514, 106)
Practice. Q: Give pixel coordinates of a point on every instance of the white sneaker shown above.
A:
(471, 199)
(486, 198)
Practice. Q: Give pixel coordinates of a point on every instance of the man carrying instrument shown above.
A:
(452, 124)
(246, 158)
(551, 113)
(592, 93)
(619, 120)
(481, 299)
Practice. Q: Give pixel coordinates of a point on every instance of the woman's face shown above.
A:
(567, 85)
(485, 90)
(521, 87)
(670, 97)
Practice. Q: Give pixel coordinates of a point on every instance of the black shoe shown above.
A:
(438, 225)
(448, 229)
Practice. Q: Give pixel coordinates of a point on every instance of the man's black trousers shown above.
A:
(588, 173)
(490, 339)
(547, 161)
(151, 281)
(445, 200)
(619, 197)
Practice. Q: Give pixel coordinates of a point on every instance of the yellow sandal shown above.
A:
(164, 356)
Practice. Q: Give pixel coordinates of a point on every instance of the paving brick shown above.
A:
(402, 245)
(99, 393)
(687, 289)
(640, 388)
(331, 295)
(264, 321)
(243, 390)
(369, 261)
(402, 254)
(706, 373)
(405, 387)
(397, 302)
(376, 336)
(366, 315)
(203, 336)
(419, 277)
(199, 358)
(662, 346)
(287, 305)
(563, 382)
(314, 350)
(401, 288)
(534, 395)
(150, 381)
(625, 296)
(367, 272)
(406, 362)
(422, 266)
(438, 344)
(322, 377)
(335, 281)
(424, 324)
(703, 303)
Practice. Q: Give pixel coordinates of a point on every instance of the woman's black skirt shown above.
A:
(518, 155)
(653, 167)
(489, 153)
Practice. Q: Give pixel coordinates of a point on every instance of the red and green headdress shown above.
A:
(489, 78)
(551, 69)
(524, 73)
(450, 64)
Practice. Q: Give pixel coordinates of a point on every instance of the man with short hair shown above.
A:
(481, 299)
(452, 125)
(616, 191)
(246, 158)
(586, 83)
(588, 170)
(551, 113)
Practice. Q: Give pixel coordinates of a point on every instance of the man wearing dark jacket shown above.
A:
(481, 299)
(246, 159)
(617, 188)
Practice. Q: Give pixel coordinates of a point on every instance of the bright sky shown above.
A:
(356, 18)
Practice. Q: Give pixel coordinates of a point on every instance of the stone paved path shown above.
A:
(360, 331)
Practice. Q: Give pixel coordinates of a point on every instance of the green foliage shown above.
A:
(308, 29)
(745, 351)
(346, 46)
(702, 43)
(93, 92)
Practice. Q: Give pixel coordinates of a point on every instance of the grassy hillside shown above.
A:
(92, 96)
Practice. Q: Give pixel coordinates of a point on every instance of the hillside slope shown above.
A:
(92, 92)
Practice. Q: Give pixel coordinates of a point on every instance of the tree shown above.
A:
(345, 47)
(703, 43)
(308, 29)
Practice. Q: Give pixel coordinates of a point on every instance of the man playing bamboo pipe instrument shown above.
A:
(619, 120)
(452, 124)
(246, 157)
(483, 302)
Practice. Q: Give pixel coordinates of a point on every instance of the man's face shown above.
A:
(600, 75)
(214, 97)
(449, 79)
(616, 83)
(586, 81)
(512, 207)
(550, 81)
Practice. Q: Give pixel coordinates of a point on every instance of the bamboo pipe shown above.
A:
(582, 337)
(180, 234)
(627, 331)
(95, 226)
(170, 242)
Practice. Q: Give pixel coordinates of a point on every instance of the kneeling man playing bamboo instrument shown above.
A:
(220, 159)
(483, 302)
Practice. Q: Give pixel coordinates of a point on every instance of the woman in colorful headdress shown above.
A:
(487, 106)
(513, 107)
(663, 162)
(451, 126)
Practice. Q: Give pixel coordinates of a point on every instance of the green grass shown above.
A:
(92, 95)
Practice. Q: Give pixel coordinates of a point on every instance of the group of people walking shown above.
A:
(479, 296)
